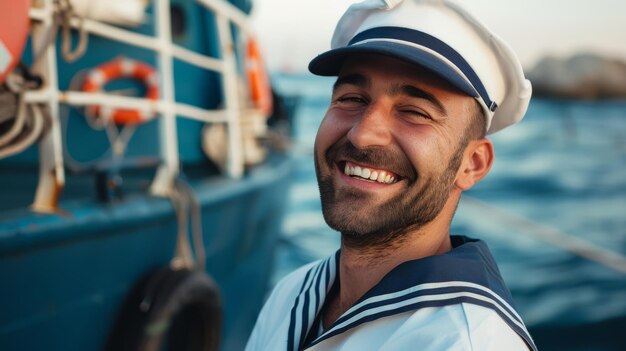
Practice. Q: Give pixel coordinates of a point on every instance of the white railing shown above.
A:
(52, 177)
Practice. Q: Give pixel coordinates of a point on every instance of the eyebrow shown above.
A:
(351, 79)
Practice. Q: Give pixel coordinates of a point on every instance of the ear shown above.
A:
(477, 160)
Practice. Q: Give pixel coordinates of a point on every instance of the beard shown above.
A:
(364, 224)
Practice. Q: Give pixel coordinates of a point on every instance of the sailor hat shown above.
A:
(441, 37)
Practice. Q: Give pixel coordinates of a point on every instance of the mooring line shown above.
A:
(555, 237)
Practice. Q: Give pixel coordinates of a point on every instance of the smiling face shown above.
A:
(388, 151)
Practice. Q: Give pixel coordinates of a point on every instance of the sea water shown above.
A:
(558, 182)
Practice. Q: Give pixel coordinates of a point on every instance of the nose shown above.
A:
(371, 129)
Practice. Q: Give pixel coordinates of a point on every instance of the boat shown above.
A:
(143, 183)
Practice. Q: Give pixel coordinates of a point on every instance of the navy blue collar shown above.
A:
(467, 273)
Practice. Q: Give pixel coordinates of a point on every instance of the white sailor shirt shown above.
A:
(454, 301)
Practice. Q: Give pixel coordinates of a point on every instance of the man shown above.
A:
(419, 84)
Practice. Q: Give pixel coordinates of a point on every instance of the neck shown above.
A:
(360, 269)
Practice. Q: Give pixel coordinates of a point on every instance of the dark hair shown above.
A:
(477, 124)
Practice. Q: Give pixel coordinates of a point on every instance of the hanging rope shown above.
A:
(63, 16)
(21, 124)
(187, 208)
(196, 221)
(182, 254)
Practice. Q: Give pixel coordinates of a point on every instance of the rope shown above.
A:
(64, 13)
(18, 123)
(182, 255)
(196, 222)
(62, 17)
(557, 238)
(33, 130)
(27, 127)
(183, 198)
(118, 137)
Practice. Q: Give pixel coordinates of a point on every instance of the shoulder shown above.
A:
(462, 326)
(486, 330)
(290, 285)
(458, 327)
(273, 320)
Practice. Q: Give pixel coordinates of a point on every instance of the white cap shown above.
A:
(441, 37)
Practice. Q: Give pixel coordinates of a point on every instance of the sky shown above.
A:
(292, 32)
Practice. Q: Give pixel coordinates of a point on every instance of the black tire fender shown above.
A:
(170, 310)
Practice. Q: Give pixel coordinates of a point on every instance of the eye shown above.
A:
(414, 114)
(351, 100)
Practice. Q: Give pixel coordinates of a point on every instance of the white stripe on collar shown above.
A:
(397, 307)
(429, 286)
(310, 300)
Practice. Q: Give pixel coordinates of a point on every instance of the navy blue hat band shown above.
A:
(426, 40)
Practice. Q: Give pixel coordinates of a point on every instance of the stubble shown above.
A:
(389, 223)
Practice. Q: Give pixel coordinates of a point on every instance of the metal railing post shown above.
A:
(51, 171)
(234, 162)
(164, 180)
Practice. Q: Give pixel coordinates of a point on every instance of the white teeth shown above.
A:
(374, 175)
(381, 177)
(366, 173)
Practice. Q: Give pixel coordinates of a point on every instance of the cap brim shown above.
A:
(330, 62)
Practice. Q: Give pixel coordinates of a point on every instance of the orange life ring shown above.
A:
(122, 68)
(14, 26)
(258, 81)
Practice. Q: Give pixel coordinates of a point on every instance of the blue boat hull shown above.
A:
(66, 276)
